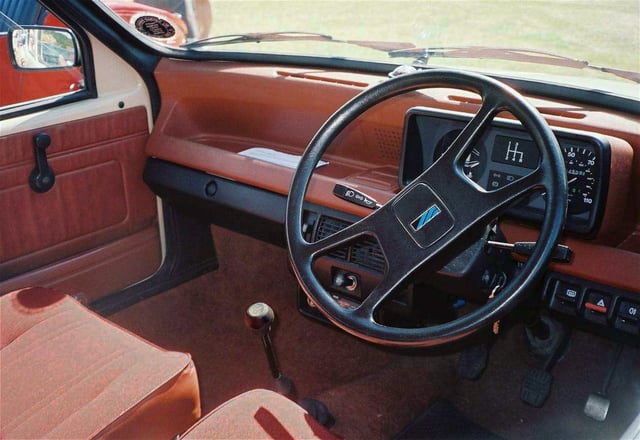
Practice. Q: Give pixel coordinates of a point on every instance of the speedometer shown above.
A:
(580, 163)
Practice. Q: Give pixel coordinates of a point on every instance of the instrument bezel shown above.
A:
(418, 148)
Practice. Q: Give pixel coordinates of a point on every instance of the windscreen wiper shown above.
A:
(422, 55)
(258, 37)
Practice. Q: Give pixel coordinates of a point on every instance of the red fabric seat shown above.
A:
(65, 372)
(258, 414)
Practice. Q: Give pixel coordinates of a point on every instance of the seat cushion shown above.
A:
(258, 414)
(68, 373)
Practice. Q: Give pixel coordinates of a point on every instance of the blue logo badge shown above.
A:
(425, 217)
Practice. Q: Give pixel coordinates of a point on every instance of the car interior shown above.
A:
(205, 244)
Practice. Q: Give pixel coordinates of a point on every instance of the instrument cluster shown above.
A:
(505, 153)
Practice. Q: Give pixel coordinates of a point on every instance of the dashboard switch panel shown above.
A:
(594, 306)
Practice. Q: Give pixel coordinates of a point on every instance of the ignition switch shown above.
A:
(346, 280)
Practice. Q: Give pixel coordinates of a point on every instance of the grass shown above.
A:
(605, 32)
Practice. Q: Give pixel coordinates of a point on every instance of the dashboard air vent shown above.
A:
(365, 252)
(328, 226)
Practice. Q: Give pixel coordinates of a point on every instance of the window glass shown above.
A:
(591, 44)
(39, 56)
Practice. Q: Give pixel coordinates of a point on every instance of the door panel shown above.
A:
(102, 206)
(105, 269)
(99, 201)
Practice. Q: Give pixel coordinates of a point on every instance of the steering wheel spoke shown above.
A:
(503, 197)
(375, 225)
(390, 281)
(491, 106)
(470, 205)
(312, 250)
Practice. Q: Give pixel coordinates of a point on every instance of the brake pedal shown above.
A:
(548, 341)
(536, 387)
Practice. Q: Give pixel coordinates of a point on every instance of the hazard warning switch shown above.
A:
(596, 307)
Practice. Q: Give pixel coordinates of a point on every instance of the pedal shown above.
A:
(548, 341)
(597, 405)
(536, 387)
(472, 361)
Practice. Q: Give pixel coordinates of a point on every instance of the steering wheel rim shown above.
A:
(394, 225)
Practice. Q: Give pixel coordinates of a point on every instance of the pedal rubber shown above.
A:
(597, 407)
(472, 361)
(536, 387)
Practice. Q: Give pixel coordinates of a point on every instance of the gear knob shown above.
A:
(259, 317)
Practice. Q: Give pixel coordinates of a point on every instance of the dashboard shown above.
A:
(213, 113)
(505, 153)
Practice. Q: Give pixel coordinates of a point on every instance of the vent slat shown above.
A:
(367, 253)
(329, 226)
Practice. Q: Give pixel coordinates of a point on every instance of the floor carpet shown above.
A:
(372, 391)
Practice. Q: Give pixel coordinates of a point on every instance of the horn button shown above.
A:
(423, 215)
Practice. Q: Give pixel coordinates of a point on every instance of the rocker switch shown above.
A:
(566, 297)
(628, 317)
(596, 307)
(629, 311)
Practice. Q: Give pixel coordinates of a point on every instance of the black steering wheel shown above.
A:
(431, 214)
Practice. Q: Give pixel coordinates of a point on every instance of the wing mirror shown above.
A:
(43, 48)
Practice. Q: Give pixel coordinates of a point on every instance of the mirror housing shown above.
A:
(43, 48)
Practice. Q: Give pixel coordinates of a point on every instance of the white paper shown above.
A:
(276, 157)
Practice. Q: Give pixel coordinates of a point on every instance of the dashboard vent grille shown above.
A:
(329, 226)
(365, 252)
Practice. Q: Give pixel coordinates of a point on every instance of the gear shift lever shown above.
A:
(259, 317)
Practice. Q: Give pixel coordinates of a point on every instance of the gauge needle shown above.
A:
(472, 164)
(572, 180)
